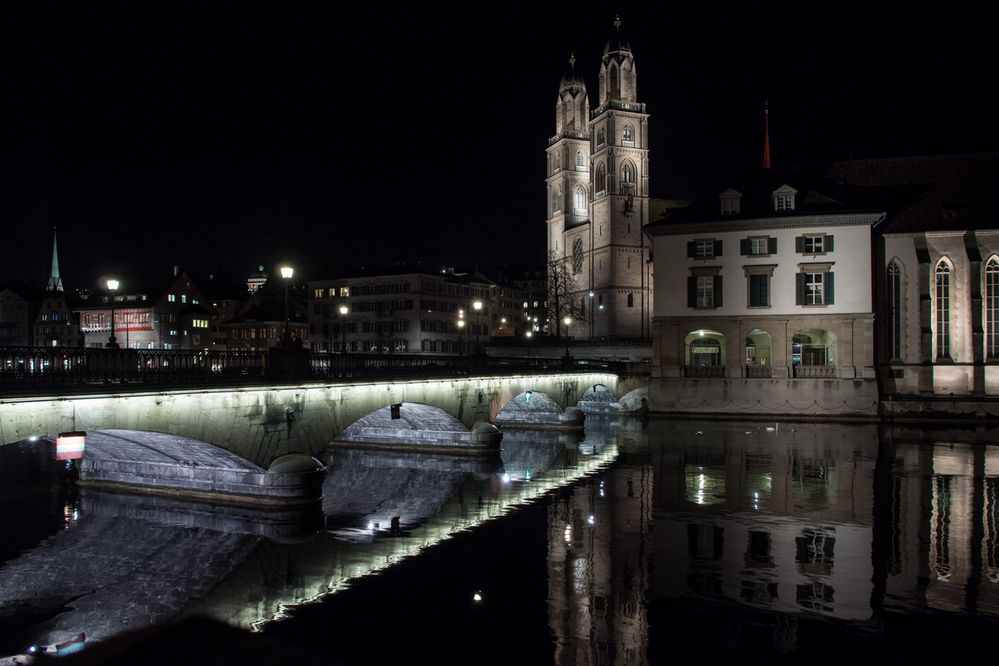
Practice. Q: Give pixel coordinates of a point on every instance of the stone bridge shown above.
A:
(263, 423)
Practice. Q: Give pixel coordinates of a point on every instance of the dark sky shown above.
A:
(219, 138)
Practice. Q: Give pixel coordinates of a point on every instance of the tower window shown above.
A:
(580, 201)
(577, 255)
(580, 160)
(628, 135)
(992, 308)
(600, 179)
(895, 308)
(942, 310)
(601, 136)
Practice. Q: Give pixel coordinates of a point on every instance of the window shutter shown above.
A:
(718, 290)
(829, 243)
(744, 247)
(799, 244)
(799, 289)
(830, 291)
(691, 292)
(772, 245)
(691, 248)
(718, 248)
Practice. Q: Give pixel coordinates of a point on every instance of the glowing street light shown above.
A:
(477, 306)
(287, 272)
(461, 331)
(112, 286)
(344, 311)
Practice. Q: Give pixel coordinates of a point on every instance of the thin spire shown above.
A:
(55, 281)
(617, 21)
(766, 135)
(572, 60)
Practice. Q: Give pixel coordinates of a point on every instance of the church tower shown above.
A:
(568, 162)
(55, 280)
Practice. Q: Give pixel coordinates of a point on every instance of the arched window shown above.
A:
(582, 306)
(895, 309)
(580, 201)
(628, 135)
(577, 255)
(612, 88)
(601, 136)
(631, 300)
(941, 309)
(557, 200)
(992, 308)
(600, 179)
(580, 160)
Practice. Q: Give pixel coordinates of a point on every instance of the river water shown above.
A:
(638, 542)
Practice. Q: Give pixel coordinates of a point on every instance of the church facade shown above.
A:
(598, 198)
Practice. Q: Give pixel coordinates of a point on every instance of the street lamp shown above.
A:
(286, 272)
(461, 339)
(112, 286)
(477, 306)
(342, 329)
(567, 320)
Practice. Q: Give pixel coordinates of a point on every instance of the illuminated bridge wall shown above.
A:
(262, 423)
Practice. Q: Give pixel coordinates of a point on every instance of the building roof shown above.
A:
(929, 192)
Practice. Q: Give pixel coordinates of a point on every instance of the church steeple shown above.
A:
(618, 78)
(55, 281)
(572, 109)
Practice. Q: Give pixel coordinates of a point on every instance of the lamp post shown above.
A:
(342, 328)
(567, 320)
(461, 338)
(112, 286)
(591, 315)
(477, 306)
(286, 273)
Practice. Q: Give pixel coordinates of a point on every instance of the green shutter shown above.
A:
(718, 248)
(691, 248)
(799, 288)
(799, 244)
(691, 292)
(829, 243)
(718, 290)
(744, 247)
(830, 291)
(772, 245)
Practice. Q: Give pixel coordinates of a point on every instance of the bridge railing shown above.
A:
(23, 367)
(33, 369)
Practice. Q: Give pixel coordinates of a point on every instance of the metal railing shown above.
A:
(758, 371)
(60, 366)
(33, 369)
(711, 371)
(814, 371)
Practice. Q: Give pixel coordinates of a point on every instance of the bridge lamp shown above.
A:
(287, 272)
(344, 311)
(529, 334)
(112, 286)
(477, 306)
(461, 331)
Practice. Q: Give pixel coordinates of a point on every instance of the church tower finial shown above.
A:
(766, 135)
(55, 281)
(572, 59)
(617, 21)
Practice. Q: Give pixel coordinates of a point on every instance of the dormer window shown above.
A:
(730, 201)
(783, 198)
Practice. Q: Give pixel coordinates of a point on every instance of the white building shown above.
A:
(764, 302)
(598, 196)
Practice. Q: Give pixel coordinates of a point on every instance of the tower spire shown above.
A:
(617, 21)
(55, 281)
(766, 135)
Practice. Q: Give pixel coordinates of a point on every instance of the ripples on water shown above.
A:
(641, 543)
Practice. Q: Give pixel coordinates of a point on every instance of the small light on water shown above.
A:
(506, 478)
(371, 526)
(33, 438)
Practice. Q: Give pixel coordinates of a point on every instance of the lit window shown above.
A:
(814, 289)
(705, 291)
(942, 309)
(344, 292)
(173, 331)
(183, 298)
(580, 160)
(992, 308)
(783, 202)
(628, 135)
(758, 246)
(580, 201)
(172, 298)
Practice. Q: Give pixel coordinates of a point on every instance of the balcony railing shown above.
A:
(758, 371)
(815, 372)
(711, 371)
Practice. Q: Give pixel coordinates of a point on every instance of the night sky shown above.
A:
(222, 138)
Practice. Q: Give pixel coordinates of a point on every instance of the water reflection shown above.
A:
(661, 537)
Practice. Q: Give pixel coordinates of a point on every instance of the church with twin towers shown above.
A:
(598, 197)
